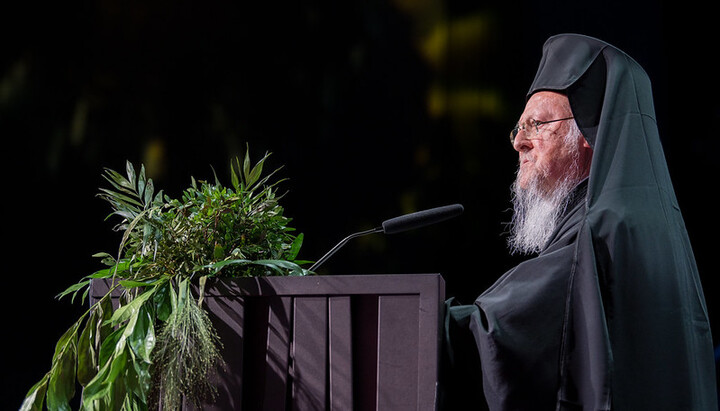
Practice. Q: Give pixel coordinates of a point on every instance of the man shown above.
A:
(610, 314)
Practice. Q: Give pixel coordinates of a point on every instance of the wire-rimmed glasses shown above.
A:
(530, 124)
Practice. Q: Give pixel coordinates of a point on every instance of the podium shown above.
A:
(347, 342)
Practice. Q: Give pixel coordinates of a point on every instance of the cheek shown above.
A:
(546, 164)
(557, 167)
(547, 169)
(549, 158)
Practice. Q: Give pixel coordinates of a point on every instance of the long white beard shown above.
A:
(538, 211)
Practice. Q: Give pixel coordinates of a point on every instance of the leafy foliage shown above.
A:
(158, 345)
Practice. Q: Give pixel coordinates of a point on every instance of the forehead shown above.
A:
(546, 105)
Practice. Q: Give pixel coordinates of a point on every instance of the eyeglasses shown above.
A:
(529, 125)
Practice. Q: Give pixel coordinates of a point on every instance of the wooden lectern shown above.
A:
(349, 342)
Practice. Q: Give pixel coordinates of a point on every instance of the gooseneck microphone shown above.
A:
(399, 224)
(421, 219)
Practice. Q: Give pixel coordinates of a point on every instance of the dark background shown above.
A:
(374, 108)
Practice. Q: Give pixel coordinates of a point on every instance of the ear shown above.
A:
(585, 143)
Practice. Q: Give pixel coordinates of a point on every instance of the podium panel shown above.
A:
(348, 342)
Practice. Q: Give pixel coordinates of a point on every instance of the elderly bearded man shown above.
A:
(610, 313)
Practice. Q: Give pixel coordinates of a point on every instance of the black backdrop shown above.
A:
(373, 109)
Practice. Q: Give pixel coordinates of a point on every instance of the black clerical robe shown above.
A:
(611, 315)
(516, 327)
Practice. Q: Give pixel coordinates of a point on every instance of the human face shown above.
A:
(544, 155)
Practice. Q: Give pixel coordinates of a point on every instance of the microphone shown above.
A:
(399, 224)
(421, 218)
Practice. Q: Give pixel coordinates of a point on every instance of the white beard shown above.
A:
(537, 212)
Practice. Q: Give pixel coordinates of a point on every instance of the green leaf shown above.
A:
(87, 358)
(114, 358)
(202, 281)
(125, 312)
(271, 264)
(158, 199)
(141, 183)
(110, 344)
(122, 198)
(128, 215)
(149, 191)
(220, 264)
(73, 289)
(129, 230)
(142, 338)
(234, 178)
(217, 180)
(129, 326)
(295, 247)
(119, 181)
(61, 386)
(147, 233)
(137, 380)
(118, 392)
(256, 171)
(162, 302)
(130, 170)
(96, 388)
(102, 255)
(103, 327)
(67, 339)
(279, 265)
(246, 166)
(117, 269)
(117, 367)
(36, 395)
(182, 296)
(135, 284)
(218, 251)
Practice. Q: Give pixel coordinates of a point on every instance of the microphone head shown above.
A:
(421, 218)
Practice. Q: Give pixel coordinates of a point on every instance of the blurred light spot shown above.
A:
(218, 118)
(437, 101)
(423, 13)
(415, 7)
(79, 122)
(456, 37)
(371, 244)
(422, 156)
(463, 102)
(408, 202)
(154, 158)
(13, 82)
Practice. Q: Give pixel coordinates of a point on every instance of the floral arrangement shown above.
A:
(159, 346)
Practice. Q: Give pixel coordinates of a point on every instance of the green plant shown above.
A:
(159, 346)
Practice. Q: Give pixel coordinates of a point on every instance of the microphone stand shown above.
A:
(400, 224)
(342, 243)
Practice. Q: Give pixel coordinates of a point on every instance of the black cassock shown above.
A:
(611, 314)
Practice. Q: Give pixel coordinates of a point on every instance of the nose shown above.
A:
(521, 143)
